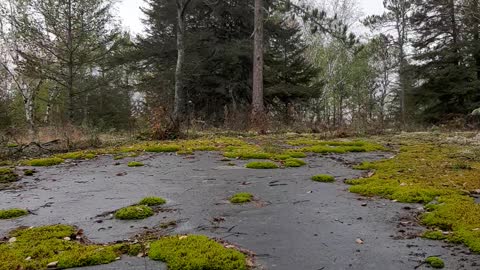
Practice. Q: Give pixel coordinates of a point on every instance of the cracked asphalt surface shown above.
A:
(294, 223)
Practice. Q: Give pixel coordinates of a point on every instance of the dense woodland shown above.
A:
(273, 65)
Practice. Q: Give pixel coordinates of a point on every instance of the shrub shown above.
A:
(242, 197)
(12, 213)
(152, 201)
(323, 178)
(44, 162)
(262, 165)
(195, 252)
(134, 212)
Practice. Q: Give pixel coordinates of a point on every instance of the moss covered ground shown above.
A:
(35, 248)
(437, 172)
(134, 212)
(324, 178)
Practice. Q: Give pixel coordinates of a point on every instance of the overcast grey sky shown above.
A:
(129, 11)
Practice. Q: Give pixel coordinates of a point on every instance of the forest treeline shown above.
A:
(66, 63)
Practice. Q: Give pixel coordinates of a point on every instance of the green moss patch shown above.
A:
(135, 164)
(293, 162)
(324, 178)
(425, 173)
(7, 175)
(12, 213)
(44, 245)
(195, 252)
(134, 212)
(459, 215)
(242, 197)
(152, 201)
(44, 162)
(162, 148)
(435, 262)
(338, 147)
(262, 165)
(28, 172)
(77, 155)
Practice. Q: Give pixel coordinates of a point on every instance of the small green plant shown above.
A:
(134, 212)
(293, 162)
(12, 213)
(325, 178)
(152, 201)
(12, 145)
(7, 175)
(44, 162)
(435, 262)
(194, 252)
(135, 164)
(242, 197)
(162, 148)
(262, 165)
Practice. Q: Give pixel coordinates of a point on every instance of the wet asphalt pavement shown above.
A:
(293, 224)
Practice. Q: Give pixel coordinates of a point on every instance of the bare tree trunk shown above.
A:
(180, 95)
(258, 117)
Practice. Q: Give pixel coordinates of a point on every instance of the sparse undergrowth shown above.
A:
(12, 213)
(152, 201)
(135, 164)
(434, 174)
(35, 248)
(324, 178)
(262, 165)
(134, 212)
(435, 262)
(242, 197)
(194, 252)
(44, 162)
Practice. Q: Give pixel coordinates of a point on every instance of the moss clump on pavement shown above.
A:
(324, 178)
(134, 212)
(435, 262)
(423, 172)
(7, 175)
(162, 148)
(262, 165)
(152, 201)
(44, 162)
(294, 162)
(194, 252)
(242, 197)
(12, 213)
(35, 248)
(77, 155)
(135, 164)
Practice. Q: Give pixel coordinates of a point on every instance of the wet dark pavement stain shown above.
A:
(294, 223)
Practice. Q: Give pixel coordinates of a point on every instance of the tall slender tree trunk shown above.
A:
(258, 117)
(70, 107)
(180, 95)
